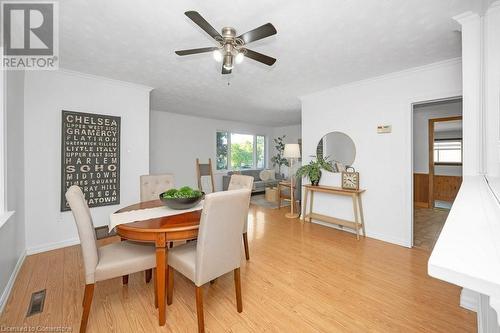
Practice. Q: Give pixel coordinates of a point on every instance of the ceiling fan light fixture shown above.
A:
(239, 58)
(230, 48)
(218, 55)
(228, 61)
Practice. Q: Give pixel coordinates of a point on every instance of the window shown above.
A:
(222, 142)
(237, 151)
(448, 151)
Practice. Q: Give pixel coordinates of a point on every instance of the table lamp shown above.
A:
(292, 152)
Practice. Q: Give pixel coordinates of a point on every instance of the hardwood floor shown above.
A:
(427, 225)
(301, 277)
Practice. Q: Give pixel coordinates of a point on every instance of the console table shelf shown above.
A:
(356, 225)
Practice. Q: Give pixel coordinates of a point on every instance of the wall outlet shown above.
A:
(384, 129)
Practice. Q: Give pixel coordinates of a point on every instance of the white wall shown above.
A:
(383, 160)
(293, 134)
(46, 94)
(421, 116)
(492, 89)
(12, 233)
(177, 140)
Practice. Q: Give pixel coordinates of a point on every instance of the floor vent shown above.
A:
(36, 303)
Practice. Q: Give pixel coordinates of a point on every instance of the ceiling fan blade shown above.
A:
(195, 51)
(260, 57)
(202, 23)
(263, 31)
(226, 71)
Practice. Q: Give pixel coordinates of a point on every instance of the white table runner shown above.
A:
(146, 214)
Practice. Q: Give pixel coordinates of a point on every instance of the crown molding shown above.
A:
(393, 75)
(103, 78)
(465, 17)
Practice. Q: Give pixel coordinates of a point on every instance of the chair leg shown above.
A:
(199, 309)
(237, 286)
(87, 302)
(245, 243)
(170, 286)
(148, 274)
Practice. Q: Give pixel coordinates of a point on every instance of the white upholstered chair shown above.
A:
(153, 185)
(217, 250)
(151, 188)
(242, 182)
(105, 262)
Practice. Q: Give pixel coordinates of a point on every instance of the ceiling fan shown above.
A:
(231, 48)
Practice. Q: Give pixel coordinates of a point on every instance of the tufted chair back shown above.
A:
(86, 233)
(153, 185)
(238, 182)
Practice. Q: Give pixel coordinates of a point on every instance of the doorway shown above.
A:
(437, 167)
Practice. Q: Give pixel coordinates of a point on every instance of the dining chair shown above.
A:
(242, 182)
(151, 188)
(106, 262)
(154, 185)
(217, 250)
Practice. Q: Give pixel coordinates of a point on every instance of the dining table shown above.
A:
(160, 231)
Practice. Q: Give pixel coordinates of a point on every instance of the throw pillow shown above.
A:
(264, 175)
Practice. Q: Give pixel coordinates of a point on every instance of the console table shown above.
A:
(357, 206)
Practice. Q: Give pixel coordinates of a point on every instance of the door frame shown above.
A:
(432, 123)
(412, 103)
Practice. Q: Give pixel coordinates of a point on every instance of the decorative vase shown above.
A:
(315, 182)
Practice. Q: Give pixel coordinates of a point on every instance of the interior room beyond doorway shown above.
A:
(437, 166)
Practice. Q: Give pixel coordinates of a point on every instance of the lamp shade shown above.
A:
(292, 150)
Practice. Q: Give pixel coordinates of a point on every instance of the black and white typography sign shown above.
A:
(91, 157)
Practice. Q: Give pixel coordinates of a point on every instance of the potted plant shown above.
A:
(313, 169)
(278, 159)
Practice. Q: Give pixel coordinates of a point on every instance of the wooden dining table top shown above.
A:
(180, 222)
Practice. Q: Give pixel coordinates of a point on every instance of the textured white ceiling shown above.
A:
(320, 43)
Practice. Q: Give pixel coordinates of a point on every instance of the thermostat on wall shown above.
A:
(384, 129)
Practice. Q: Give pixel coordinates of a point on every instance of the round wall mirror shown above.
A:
(338, 148)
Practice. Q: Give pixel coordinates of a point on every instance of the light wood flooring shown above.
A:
(301, 277)
(427, 225)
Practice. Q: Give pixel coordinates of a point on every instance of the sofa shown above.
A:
(259, 185)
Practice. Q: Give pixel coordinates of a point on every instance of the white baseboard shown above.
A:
(380, 237)
(52, 246)
(8, 288)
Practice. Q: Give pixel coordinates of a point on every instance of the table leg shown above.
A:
(311, 206)
(362, 218)
(356, 219)
(161, 258)
(304, 209)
